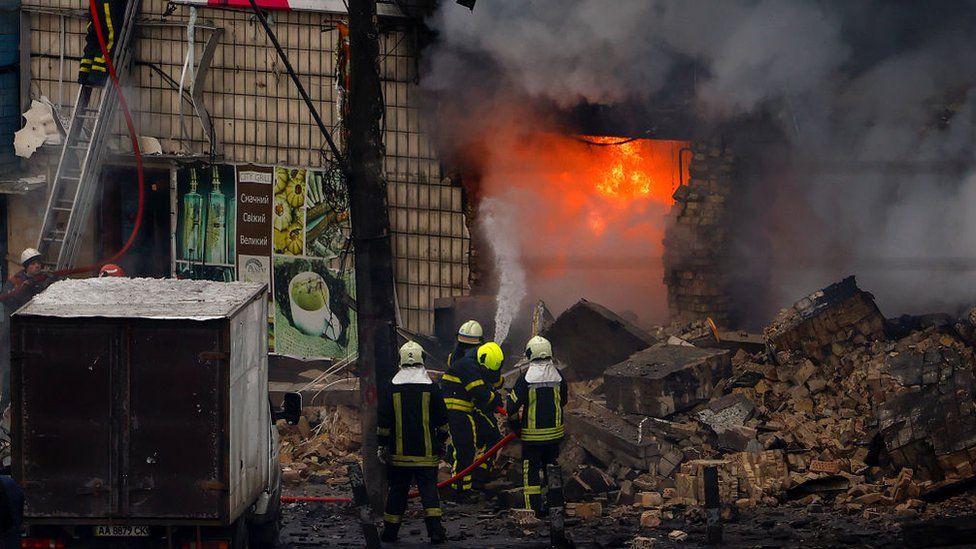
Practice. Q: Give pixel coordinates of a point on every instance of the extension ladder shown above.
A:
(73, 189)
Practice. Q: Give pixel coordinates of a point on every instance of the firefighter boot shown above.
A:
(390, 531)
(435, 530)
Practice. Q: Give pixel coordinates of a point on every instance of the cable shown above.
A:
(613, 144)
(477, 463)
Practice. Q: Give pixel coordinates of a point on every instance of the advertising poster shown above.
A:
(285, 227)
(206, 224)
(327, 227)
(255, 194)
(313, 317)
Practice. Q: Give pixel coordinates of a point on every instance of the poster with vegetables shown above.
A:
(313, 317)
(288, 214)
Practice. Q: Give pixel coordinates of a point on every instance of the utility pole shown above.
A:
(375, 305)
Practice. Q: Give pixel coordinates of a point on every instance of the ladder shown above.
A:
(73, 189)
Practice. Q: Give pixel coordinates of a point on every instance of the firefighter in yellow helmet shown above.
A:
(412, 430)
(465, 391)
(490, 357)
(535, 412)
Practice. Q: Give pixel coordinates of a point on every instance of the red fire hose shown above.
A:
(334, 499)
(133, 137)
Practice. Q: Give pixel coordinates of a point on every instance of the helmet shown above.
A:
(411, 354)
(538, 347)
(110, 269)
(490, 356)
(471, 332)
(29, 254)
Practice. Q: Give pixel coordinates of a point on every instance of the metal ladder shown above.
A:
(69, 204)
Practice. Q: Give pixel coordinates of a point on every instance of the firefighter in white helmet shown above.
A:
(18, 290)
(465, 391)
(535, 412)
(411, 431)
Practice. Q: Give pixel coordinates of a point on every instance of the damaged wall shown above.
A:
(259, 118)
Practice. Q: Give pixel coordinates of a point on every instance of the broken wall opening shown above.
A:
(582, 216)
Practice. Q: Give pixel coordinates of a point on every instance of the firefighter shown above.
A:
(20, 288)
(94, 70)
(535, 412)
(490, 357)
(412, 430)
(465, 391)
(470, 336)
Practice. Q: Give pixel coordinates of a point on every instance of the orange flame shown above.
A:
(593, 213)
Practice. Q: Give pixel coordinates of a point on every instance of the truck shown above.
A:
(141, 416)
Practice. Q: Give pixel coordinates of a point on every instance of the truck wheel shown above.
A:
(265, 535)
(239, 537)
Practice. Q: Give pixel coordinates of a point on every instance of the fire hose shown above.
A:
(133, 137)
(338, 499)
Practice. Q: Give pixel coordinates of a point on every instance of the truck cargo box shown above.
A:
(141, 401)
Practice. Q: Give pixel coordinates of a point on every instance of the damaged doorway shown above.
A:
(562, 217)
(119, 204)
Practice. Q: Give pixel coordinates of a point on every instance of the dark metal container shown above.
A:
(139, 401)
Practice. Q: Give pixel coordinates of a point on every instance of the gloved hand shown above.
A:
(501, 410)
(513, 425)
(382, 454)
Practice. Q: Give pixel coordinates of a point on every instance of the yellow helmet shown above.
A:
(538, 347)
(471, 332)
(490, 356)
(411, 354)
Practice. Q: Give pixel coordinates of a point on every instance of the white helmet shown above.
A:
(411, 354)
(471, 332)
(28, 254)
(538, 347)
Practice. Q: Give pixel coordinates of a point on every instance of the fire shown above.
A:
(591, 213)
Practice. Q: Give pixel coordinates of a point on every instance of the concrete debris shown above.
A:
(838, 313)
(316, 449)
(641, 542)
(677, 535)
(590, 338)
(660, 381)
(40, 128)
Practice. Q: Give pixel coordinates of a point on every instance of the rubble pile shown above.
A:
(317, 448)
(832, 410)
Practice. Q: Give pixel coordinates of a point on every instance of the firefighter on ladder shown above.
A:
(490, 357)
(412, 430)
(94, 69)
(465, 391)
(535, 412)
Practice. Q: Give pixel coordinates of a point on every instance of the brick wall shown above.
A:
(697, 239)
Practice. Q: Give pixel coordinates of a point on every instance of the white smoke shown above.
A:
(872, 182)
(496, 220)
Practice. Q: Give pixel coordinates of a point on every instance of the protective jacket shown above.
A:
(540, 394)
(465, 388)
(412, 422)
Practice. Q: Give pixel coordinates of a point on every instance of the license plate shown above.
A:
(113, 531)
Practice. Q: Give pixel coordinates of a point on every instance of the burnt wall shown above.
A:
(697, 238)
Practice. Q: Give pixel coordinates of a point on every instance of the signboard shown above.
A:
(282, 226)
(384, 9)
